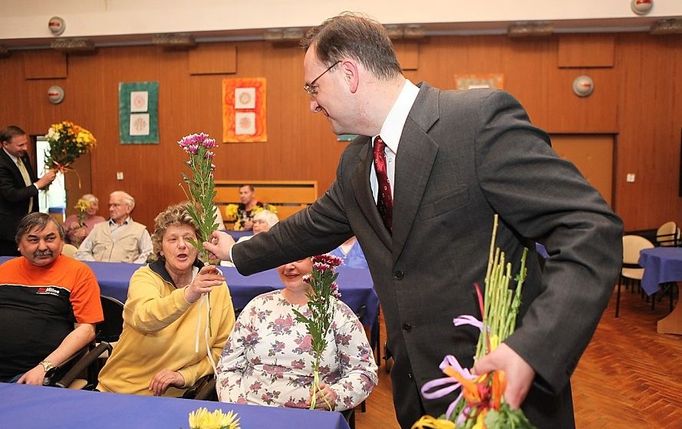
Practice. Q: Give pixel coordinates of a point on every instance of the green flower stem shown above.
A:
(501, 304)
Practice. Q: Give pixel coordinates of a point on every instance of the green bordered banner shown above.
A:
(138, 112)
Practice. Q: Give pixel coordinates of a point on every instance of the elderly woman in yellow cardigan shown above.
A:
(172, 335)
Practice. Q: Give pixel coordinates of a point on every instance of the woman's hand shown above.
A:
(35, 376)
(164, 379)
(208, 277)
(325, 398)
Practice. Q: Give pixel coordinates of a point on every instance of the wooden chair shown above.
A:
(631, 272)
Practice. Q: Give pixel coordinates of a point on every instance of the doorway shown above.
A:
(593, 155)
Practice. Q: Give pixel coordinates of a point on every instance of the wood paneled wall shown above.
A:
(637, 97)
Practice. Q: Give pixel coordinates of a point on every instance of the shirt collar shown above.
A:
(125, 222)
(392, 129)
(12, 157)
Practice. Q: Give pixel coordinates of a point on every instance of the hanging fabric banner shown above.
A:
(244, 112)
(138, 112)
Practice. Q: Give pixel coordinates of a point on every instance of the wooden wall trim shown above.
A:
(44, 64)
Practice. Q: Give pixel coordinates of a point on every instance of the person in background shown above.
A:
(420, 187)
(49, 303)
(262, 222)
(351, 254)
(76, 226)
(268, 358)
(172, 335)
(247, 208)
(19, 186)
(120, 239)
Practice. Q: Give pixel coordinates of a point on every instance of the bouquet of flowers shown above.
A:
(82, 207)
(231, 211)
(321, 301)
(201, 187)
(68, 142)
(203, 419)
(239, 216)
(480, 403)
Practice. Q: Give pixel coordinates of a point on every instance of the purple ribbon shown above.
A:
(440, 387)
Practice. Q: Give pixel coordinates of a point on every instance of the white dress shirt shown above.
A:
(391, 131)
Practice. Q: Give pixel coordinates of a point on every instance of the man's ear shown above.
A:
(351, 73)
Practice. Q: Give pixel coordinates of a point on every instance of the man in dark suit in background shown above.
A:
(419, 188)
(19, 186)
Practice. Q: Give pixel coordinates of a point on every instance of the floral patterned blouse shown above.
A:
(268, 358)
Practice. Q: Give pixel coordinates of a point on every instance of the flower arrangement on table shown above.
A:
(82, 206)
(68, 142)
(201, 187)
(321, 303)
(481, 404)
(201, 418)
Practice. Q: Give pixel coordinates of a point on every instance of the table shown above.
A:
(663, 265)
(355, 285)
(34, 407)
(236, 235)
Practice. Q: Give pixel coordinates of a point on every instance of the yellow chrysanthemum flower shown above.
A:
(204, 419)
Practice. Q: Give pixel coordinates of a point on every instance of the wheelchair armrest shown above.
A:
(82, 364)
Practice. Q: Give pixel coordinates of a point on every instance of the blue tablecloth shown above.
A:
(661, 265)
(356, 287)
(29, 407)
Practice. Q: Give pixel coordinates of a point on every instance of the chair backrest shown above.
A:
(632, 244)
(69, 250)
(668, 234)
(110, 329)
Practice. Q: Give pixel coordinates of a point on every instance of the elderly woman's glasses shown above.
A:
(311, 88)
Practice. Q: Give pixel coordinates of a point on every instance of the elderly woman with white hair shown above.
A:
(262, 221)
(78, 225)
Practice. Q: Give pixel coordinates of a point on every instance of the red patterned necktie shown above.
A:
(384, 199)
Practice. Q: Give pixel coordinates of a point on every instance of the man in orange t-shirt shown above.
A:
(43, 295)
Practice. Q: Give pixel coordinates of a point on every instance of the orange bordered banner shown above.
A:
(244, 110)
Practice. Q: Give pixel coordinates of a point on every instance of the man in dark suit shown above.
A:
(19, 186)
(445, 163)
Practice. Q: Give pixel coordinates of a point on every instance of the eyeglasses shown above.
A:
(311, 88)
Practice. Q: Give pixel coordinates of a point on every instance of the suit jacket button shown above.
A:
(407, 327)
(398, 275)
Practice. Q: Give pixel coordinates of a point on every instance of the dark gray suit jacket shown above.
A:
(462, 157)
(14, 195)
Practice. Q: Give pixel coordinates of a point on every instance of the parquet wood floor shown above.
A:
(629, 377)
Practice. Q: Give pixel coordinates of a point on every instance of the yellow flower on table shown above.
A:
(204, 419)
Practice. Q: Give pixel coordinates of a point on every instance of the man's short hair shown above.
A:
(9, 132)
(251, 187)
(39, 220)
(358, 37)
(127, 198)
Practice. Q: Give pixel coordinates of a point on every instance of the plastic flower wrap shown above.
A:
(82, 207)
(481, 404)
(203, 419)
(201, 186)
(68, 142)
(322, 297)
